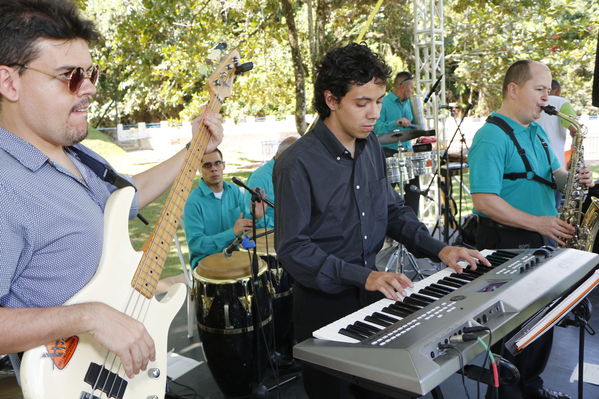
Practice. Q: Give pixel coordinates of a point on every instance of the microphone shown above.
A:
(433, 89)
(254, 193)
(416, 190)
(228, 252)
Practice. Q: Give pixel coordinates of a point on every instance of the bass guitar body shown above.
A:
(78, 367)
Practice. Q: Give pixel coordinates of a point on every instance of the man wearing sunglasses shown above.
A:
(52, 202)
(216, 211)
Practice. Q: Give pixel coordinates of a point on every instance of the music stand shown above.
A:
(552, 315)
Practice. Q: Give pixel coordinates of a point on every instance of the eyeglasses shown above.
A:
(74, 77)
(208, 165)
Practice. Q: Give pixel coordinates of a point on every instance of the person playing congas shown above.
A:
(215, 213)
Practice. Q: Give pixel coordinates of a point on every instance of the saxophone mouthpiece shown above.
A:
(549, 109)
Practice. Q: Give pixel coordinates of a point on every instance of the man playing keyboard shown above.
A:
(335, 206)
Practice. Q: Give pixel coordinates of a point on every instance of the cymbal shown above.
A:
(404, 135)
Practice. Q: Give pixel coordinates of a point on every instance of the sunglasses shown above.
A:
(208, 165)
(74, 77)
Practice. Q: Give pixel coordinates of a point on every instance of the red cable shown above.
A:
(495, 375)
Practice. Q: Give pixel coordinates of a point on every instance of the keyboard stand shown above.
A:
(398, 258)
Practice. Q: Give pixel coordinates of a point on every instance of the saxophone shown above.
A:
(586, 225)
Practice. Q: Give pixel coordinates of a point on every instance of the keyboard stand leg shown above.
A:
(437, 393)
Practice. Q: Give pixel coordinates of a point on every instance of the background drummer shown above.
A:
(215, 211)
(396, 113)
(262, 178)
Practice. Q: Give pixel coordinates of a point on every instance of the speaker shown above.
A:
(596, 78)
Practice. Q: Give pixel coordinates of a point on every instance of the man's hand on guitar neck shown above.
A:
(122, 335)
(214, 122)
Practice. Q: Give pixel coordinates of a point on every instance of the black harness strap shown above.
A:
(104, 172)
(529, 174)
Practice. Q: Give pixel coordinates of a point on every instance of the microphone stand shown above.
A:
(261, 390)
(446, 193)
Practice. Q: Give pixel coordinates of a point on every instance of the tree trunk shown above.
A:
(298, 68)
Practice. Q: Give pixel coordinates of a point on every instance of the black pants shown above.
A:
(313, 309)
(532, 361)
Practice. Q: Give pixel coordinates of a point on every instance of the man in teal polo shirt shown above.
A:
(216, 212)
(519, 211)
(396, 111)
(262, 178)
(396, 114)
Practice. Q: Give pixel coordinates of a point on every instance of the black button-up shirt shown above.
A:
(333, 212)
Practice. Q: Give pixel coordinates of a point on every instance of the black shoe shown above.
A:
(544, 393)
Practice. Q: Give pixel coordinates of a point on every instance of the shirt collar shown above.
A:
(518, 128)
(331, 143)
(27, 154)
(206, 191)
(393, 97)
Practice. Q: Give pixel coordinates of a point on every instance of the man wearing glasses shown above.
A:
(397, 114)
(215, 213)
(53, 202)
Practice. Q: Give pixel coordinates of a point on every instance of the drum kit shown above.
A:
(243, 324)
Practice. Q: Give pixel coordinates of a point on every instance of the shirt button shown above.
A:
(363, 214)
(366, 237)
(365, 263)
(357, 187)
(338, 158)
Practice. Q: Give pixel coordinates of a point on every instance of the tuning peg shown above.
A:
(240, 69)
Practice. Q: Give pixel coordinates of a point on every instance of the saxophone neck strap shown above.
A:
(529, 174)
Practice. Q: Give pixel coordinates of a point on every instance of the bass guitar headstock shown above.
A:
(220, 82)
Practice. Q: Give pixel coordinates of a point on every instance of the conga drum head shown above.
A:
(219, 269)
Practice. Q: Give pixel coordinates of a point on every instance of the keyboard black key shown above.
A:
(449, 283)
(376, 321)
(462, 276)
(395, 312)
(423, 298)
(456, 280)
(410, 300)
(351, 334)
(406, 306)
(384, 317)
(443, 288)
(359, 330)
(367, 326)
(429, 292)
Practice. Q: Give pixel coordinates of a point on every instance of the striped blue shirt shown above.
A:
(51, 225)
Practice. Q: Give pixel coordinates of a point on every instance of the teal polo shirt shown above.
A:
(209, 221)
(493, 153)
(262, 177)
(392, 110)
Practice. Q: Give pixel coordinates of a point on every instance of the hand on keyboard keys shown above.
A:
(458, 257)
(392, 285)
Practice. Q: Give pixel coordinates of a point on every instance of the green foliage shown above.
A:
(156, 54)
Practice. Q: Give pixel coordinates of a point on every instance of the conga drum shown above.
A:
(230, 312)
(282, 289)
